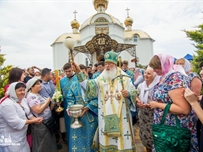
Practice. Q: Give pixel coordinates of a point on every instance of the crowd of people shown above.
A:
(114, 98)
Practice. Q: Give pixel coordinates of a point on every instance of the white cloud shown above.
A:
(28, 28)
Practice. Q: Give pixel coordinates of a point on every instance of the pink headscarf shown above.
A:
(167, 65)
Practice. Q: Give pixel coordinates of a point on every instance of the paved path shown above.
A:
(138, 142)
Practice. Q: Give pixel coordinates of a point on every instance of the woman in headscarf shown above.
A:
(43, 136)
(194, 79)
(169, 90)
(146, 114)
(13, 120)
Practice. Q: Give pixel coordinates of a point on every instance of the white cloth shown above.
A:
(187, 66)
(144, 90)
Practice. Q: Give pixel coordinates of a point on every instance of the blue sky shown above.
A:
(29, 27)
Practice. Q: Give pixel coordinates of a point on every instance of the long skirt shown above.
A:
(43, 139)
(146, 116)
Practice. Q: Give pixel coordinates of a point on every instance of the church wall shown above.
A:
(87, 34)
(116, 33)
(60, 55)
(126, 56)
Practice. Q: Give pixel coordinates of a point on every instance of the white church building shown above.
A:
(100, 33)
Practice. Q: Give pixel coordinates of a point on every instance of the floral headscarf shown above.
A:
(167, 65)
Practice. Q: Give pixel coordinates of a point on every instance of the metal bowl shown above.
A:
(76, 107)
(75, 113)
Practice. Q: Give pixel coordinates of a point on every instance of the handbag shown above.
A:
(50, 122)
(170, 138)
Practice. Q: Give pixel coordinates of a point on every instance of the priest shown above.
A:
(116, 98)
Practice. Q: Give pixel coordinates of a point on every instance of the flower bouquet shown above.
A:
(57, 97)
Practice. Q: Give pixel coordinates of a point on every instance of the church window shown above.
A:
(101, 19)
(135, 38)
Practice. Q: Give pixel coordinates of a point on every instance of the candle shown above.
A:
(57, 79)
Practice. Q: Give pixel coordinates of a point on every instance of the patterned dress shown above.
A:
(193, 75)
(160, 94)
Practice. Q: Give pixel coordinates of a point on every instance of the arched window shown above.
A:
(135, 38)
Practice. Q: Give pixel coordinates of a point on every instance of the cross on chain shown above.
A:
(127, 135)
(111, 97)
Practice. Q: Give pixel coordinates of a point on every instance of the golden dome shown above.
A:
(100, 3)
(128, 21)
(75, 24)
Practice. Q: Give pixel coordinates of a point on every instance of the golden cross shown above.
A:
(74, 137)
(75, 14)
(74, 148)
(127, 9)
(84, 149)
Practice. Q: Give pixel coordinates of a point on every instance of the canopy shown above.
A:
(188, 57)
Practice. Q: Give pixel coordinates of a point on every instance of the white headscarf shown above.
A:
(187, 66)
(12, 91)
(144, 90)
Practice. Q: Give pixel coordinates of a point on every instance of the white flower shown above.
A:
(57, 97)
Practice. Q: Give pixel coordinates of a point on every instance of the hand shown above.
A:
(125, 93)
(190, 96)
(75, 67)
(84, 110)
(48, 99)
(38, 120)
(140, 104)
(152, 104)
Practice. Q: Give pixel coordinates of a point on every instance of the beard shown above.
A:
(110, 74)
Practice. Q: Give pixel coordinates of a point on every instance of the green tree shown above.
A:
(3, 75)
(197, 37)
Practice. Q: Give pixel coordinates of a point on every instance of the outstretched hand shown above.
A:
(140, 104)
(75, 67)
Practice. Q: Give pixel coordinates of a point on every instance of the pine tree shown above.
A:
(3, 75)
(197, 37)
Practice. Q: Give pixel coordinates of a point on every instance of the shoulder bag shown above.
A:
(170, 138)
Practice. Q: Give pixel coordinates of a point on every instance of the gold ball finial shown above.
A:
(75, 24)
(128, 21)
(100, 4)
